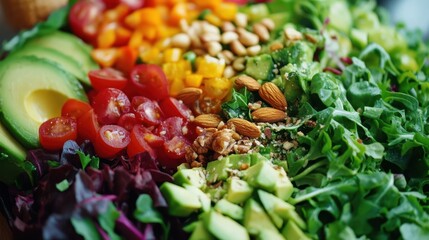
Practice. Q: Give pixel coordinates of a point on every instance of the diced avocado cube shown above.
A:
(193, 176)
(237, 160)
(269, 235)
(190, 227)
(256, 12)
(256, 158)
(273, 205)
(238, 190)
(280, 57)
(216, 193)
(262, 175)
(200, 232)
(284, 187)
(217, 170)
(206, 203)
(293, 216)
(224, 227)
(255, 219)
(359, 37)
(229, 209)
(183, 166)
(260, 67)
(292, 231)
(181, 202)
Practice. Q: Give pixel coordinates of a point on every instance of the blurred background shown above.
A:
(412, 12)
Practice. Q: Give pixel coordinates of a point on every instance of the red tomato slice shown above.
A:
(110, 104)
(111, 139)
(84, 18)
(138, 143)
(87, 126)
(107, 78)
(175, 108)
(153, 140)
(74, 108)
(170, 128)
(147, 111)
(128, 120)
(54, 132)
(150, 81)
(172, 154)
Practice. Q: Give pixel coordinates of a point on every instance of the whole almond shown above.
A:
(189, 95)
(268, 114)
(207, 120)
(245, 127)
(250, 83)
(270, 93)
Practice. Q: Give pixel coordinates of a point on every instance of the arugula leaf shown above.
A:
(86, 160)
(86, 228)
(108, 219)
(238, 107)
(63, 185)
(146, 213)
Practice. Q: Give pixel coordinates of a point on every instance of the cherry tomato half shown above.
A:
(87, 126)
(111, 139)
(170, 128)
(175, 108)
(110, 104)
(128, 120)
(84, 18)
(150, 81)
(74, 108)
(147, 111)
(107, 78)
(138, 143)
(54, 132)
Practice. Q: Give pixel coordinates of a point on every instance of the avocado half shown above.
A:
(33, 90)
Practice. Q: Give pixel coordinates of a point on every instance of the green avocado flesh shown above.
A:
(69, 45)
(32, 91)
(12, 159)
(65, 62)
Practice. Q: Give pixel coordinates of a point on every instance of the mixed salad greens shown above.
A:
(358, 99)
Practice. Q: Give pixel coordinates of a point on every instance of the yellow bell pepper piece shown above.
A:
(193, 80)
(226, 11)
(172, 55)
(218, 87)
(210, 67)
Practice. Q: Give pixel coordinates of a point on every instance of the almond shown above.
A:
(267, 114)
(189, 95)
(250, 83)
(245, 127)
(270, 93)
(207, 120)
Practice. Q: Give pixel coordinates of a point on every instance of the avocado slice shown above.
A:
(65, 62)
(274, 205)
(68, 44)
(33, 90)
(255, 219)
(292, 231)
(15, 169)
(192, 176)
(200, 232)
(181, 202)
(206, 203)
(229, 209)
(284, 187)
(262, 175)
(224, 227)
(270, 235)
(218, 170)
(238, 190)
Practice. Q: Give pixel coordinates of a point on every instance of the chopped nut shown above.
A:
(240, 20)
(228, 72)
(228, 27)
(262, 32)
(247, 38)
(276, 46)
(292, 34)
(254, 50)
(210, 37)
(238, 64)
(228, 37)
(268, 23)
(213, 48)
(288, 145)
(238, 49)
